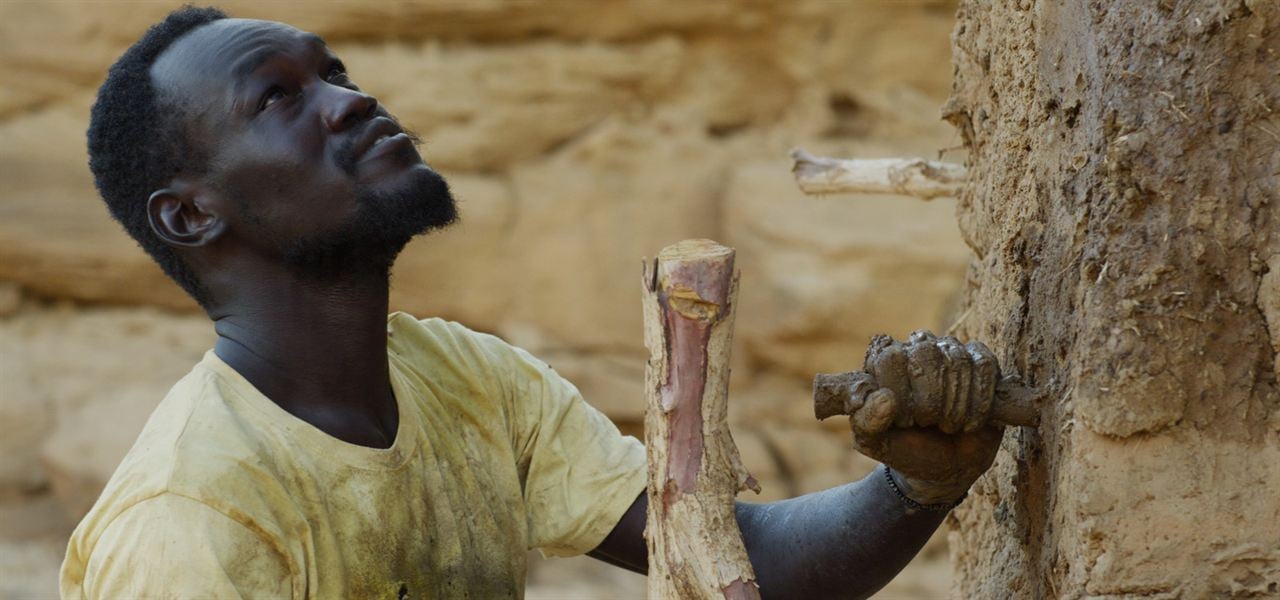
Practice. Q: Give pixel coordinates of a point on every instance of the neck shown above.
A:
(316, 348)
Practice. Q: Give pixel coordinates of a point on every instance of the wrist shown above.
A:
(928, 495)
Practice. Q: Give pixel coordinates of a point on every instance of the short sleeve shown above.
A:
(171, 546)
(582, 474)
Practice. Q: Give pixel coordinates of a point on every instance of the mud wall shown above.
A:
(1123, 214)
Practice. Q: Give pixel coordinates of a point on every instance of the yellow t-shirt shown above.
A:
(225, 494)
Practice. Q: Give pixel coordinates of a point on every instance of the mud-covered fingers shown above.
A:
(921, 336)
(925, 367)
(871, 423)
(986, 373)
(858, 394)
(876, 415)
(878, 344)
(957, 378)
(889, 366)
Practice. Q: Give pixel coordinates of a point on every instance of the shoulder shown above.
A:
(172, 544)
(192, 419)
(405, 331)
(196, 445)
(443, 345)
(475, 371)
(204, 428)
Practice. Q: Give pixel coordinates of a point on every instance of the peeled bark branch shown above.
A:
(924, 179)
(695, 546)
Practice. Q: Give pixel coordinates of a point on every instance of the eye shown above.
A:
(272, 96)
(337, 73)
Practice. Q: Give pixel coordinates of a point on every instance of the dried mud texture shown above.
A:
(1122, 210)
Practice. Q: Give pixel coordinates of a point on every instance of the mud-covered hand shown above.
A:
(927, 417)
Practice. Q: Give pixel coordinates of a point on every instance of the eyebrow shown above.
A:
(252, 62)
(259, 56)
(312, 38)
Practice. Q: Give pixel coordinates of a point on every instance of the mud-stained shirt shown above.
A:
(225, 494)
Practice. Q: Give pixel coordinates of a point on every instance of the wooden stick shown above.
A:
(1015, 404)
(924, 179)
(695, 546)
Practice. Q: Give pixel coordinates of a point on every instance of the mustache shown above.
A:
(345, 155)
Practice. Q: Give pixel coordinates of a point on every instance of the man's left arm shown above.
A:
(927, 423)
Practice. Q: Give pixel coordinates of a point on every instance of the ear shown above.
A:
(176, 215)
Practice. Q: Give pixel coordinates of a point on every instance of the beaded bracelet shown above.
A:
(941, 507)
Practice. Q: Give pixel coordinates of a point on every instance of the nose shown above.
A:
(347, 107)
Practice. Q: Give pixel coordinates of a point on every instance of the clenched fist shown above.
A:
(927, 417)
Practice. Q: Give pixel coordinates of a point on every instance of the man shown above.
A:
(324, 449)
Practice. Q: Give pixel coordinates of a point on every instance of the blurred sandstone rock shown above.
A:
(828, 274)
(83, 452)
(482, 108)
(30, 567)
(595, 133)
(589, 215)
(29, 419)
(56, 361)
(556, 247)
(773, 399)
(56, 238)
(816, 459)
(10, 298)
(578, 137)
(57, 47)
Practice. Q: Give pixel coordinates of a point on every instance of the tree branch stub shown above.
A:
(695, 547)
(917, 177)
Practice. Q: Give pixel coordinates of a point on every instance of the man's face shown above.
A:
(320, 175)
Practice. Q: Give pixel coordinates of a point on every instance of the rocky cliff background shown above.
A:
(579, 137)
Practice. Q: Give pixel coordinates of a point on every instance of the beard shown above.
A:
(383, 223)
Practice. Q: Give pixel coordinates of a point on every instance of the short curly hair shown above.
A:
(135, 147)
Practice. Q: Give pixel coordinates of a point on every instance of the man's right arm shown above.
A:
(845, 542)
(849, 541)
(175, 547)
